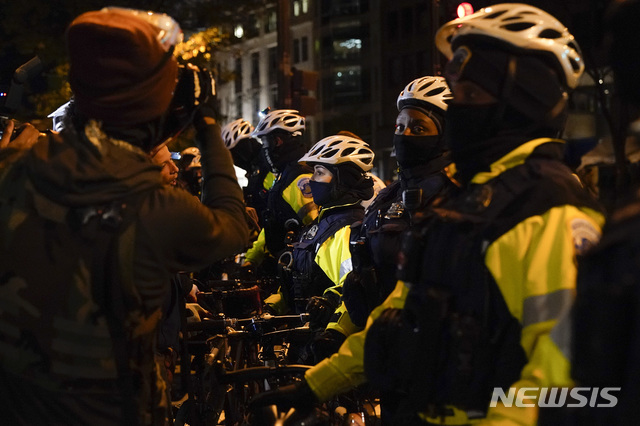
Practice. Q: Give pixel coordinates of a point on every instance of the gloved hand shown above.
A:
(269, 310)
(247, 271)
(326, 344)
(320, 310)
(387, 364)
(298, 396)
(356, 295)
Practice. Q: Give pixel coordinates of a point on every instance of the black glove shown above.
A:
(268, 309)
(247, 272)
(387, 362)
(320, 310)
(355, 295)
(298, 396)
(326, 344)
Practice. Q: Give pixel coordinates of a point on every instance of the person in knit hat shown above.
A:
(91, 237)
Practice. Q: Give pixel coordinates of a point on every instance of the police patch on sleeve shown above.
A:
(303, 186)
(584, 234)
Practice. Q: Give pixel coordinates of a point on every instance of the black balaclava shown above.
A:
(290, 150)
(414, 151)
(348, 186)
(246, 154)
(531, 104)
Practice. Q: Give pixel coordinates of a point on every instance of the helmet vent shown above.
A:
(348, 151)
(549, 33)
(436, 91)
(424, 86)
(574, 64)
(495, 15)
(330, 153)
(518, 26)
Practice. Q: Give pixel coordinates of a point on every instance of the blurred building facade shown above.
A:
(363, 53)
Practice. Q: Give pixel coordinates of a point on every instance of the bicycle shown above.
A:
(233, 359)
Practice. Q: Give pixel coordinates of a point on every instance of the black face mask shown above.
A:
(468, 135)
(412, 151)
(322, 192)
(289, 151)
(479, 135)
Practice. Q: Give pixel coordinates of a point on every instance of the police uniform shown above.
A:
(289, 204)
(376, 240)
(321, 261)
(515, 231)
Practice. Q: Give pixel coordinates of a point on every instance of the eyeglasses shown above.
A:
(169, 33)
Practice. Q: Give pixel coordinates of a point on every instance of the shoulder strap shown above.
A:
(533, 189)
(113, 288)
(340, 221)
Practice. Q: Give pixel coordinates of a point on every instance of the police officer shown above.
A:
(248, 155)
(289, 202)
(489, 277)
(321, 259)
(190, 171)
(422, 159)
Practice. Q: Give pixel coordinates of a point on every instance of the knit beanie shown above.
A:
(119, 73)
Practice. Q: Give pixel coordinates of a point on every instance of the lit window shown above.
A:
(305, 6)
(296, 8)
(352, 43)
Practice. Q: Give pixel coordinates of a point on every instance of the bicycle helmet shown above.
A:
(288, 120)
(432, 91)
(169, 32)
(235, 131)
(338, 149)
(524, 28)
(190, 158)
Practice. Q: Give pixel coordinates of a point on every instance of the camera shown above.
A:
(195, 87)
(11, 95)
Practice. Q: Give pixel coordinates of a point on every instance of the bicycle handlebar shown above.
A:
(220, 325)
(212, 325)
(260, 373)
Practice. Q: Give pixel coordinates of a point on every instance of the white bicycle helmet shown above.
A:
(522, 26)
(431, 90)
(191, 154)
(235, 131)
(169, 32)
(339, 149)
(289, 120)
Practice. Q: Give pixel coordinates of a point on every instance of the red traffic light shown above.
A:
(464, 9)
